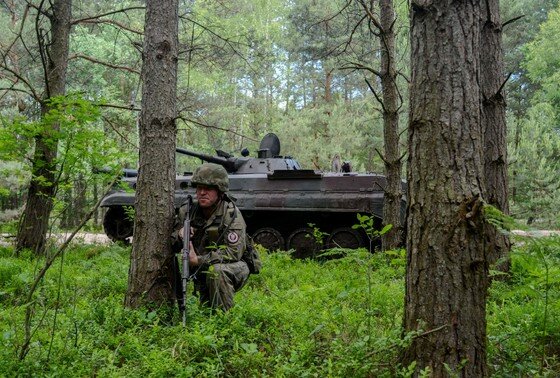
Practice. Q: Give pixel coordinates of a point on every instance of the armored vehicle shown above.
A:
(285, 207)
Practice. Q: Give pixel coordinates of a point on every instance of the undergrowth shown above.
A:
(298, 318)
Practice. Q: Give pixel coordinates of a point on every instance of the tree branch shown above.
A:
(123, 10)
(187, 120)
(12, 89)
(112, 22)
(114, 128)
(351, 37)
(512, 20)
(18, 35)
(360, 66)
(227, 41)
(403, 76)
(107, 64)
(371, 16)
(42, 48)
(376, 95)
(39, 8)
(122, 107)
(382, 157)
(499, 92)
(19, 78)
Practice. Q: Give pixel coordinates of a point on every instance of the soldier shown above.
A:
(335, 163)
(218, 239)
(346, 167)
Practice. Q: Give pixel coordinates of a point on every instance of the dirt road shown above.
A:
(90, 238)
(81, 237)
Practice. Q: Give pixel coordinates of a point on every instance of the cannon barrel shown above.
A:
(126, 172)
(230, 164)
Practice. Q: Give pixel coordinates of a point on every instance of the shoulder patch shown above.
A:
(233, 237)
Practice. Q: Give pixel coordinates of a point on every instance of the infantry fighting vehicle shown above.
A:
(284, 206)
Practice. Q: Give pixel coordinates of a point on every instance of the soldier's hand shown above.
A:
(182, 232)
(193, 258)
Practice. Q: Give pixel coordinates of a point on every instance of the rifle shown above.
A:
(185, 274)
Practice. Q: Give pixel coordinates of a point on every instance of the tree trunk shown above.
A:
(328, 83)
(392, 160)
(494, 126)
(447, 271)
(80, 200)
(95, 199)
(35, 219)
(150, 274)
(66, 216)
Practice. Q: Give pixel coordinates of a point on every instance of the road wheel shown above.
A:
(345, 237)
(269, 238)
(304, 243)
(117, 224)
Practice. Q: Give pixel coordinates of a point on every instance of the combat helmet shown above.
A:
(211, 174)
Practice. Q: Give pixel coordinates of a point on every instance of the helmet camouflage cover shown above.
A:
(210, 174)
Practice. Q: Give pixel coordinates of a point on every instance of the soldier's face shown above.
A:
(207, 196)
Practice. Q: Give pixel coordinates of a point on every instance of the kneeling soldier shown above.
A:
(218, 239)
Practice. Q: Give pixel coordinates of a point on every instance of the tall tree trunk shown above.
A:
(95, 198)
(328, 86)
(80, 200)
(66, 216)
(392, 159)
(35, 219)
(150, 274)
(304, 91)
(494, 126)
(447, 270)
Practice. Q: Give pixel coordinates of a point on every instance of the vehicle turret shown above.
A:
(267, 161)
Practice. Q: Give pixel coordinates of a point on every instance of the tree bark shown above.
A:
(80, 200)
(35, 219)
(150, 274)
(328, 86)
(447, 270)
(494, 125)
(66, 216)
(392, 159)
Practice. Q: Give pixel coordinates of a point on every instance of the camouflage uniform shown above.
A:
(219, 243)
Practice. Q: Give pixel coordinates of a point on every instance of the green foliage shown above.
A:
(296, 318)
(523, 327)
(313, 135)
(542, 61)
(130, 212)
(534, 145)
(267, 332)
(498, 219)
(81, 144)
(318, 235)
(368, 224)
(535, 163)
